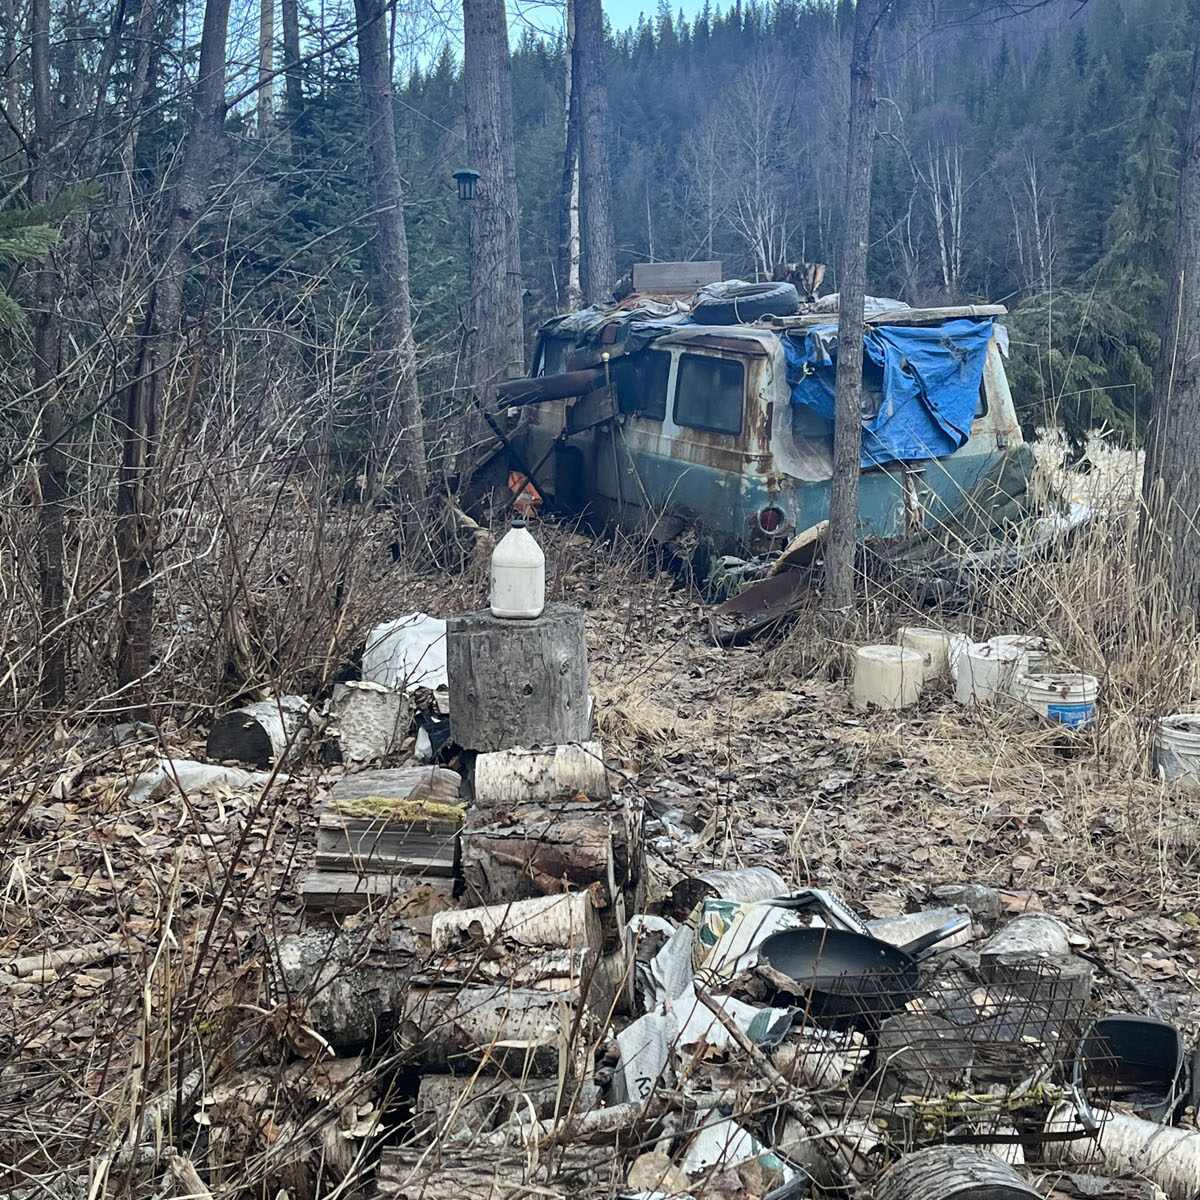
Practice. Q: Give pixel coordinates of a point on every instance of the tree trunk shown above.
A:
(52, 471)
(266, 64)
(293, 88)
(598, 269)
(570, 294)
(1171, 480)
(496, 340)
(8, 47)
(157, 354)
(399, 428)
(847, 434)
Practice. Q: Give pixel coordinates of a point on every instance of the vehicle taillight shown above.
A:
(770, 519)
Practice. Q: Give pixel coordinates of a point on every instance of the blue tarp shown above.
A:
(931, 376)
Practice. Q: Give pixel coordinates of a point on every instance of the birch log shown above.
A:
(1167, 1156)
(952, 1173)
(517, 776)
(520, 1031)
(563, 922)
(263, 734)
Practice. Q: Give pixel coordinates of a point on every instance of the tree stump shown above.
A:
(517, 683)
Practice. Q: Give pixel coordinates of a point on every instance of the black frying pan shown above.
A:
(843, 974)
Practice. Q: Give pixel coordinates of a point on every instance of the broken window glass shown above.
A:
(709, 393)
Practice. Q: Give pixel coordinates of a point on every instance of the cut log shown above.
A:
(523, 967)
(747, 883)
(899, 931)
(370, 721)
(538, 855)
(343, 892)
(451, 1104)
(530, 849)
(518, 682)
(952, 1173)
(1029, 934)
(409, 1175)
(262, 734)
(1130, 1146)
(518, 1031)
(375, 793)
(1060, 985)
(519, 776)
(351, 986)
(924, 1054)
(564, 922)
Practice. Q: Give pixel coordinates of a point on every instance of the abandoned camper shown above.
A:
(717, 411)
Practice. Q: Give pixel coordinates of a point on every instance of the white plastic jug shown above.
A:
(518, 575)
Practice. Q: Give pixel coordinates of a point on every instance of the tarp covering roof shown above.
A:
(926, 384)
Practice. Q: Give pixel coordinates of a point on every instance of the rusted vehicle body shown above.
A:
(699, 426)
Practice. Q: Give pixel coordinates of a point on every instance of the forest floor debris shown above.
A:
(743, 757)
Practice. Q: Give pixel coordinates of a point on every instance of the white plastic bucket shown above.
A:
(1177, 749)
(1037, 650)
(931, 644)
(1067, 697)
(986, 672)
(887, 677)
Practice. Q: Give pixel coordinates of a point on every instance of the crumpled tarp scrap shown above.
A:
(926, 401)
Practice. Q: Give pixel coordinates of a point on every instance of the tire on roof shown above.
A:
(747, 302)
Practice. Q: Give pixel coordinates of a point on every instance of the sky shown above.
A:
(624, 13)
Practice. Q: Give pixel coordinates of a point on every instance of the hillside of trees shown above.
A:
(1029, 161)
(231, 246)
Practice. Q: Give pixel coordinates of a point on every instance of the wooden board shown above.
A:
(408, 825)
(350, 892)
(435, 785)
(674, 276)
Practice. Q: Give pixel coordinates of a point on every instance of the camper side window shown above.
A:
(709, 393)
(641, 381)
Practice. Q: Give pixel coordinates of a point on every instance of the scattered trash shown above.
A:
(1038, 651)
(407, 653)
(187, 775)
(746, 883)
(1141, 1061)
(985, 673)
(839, 974)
